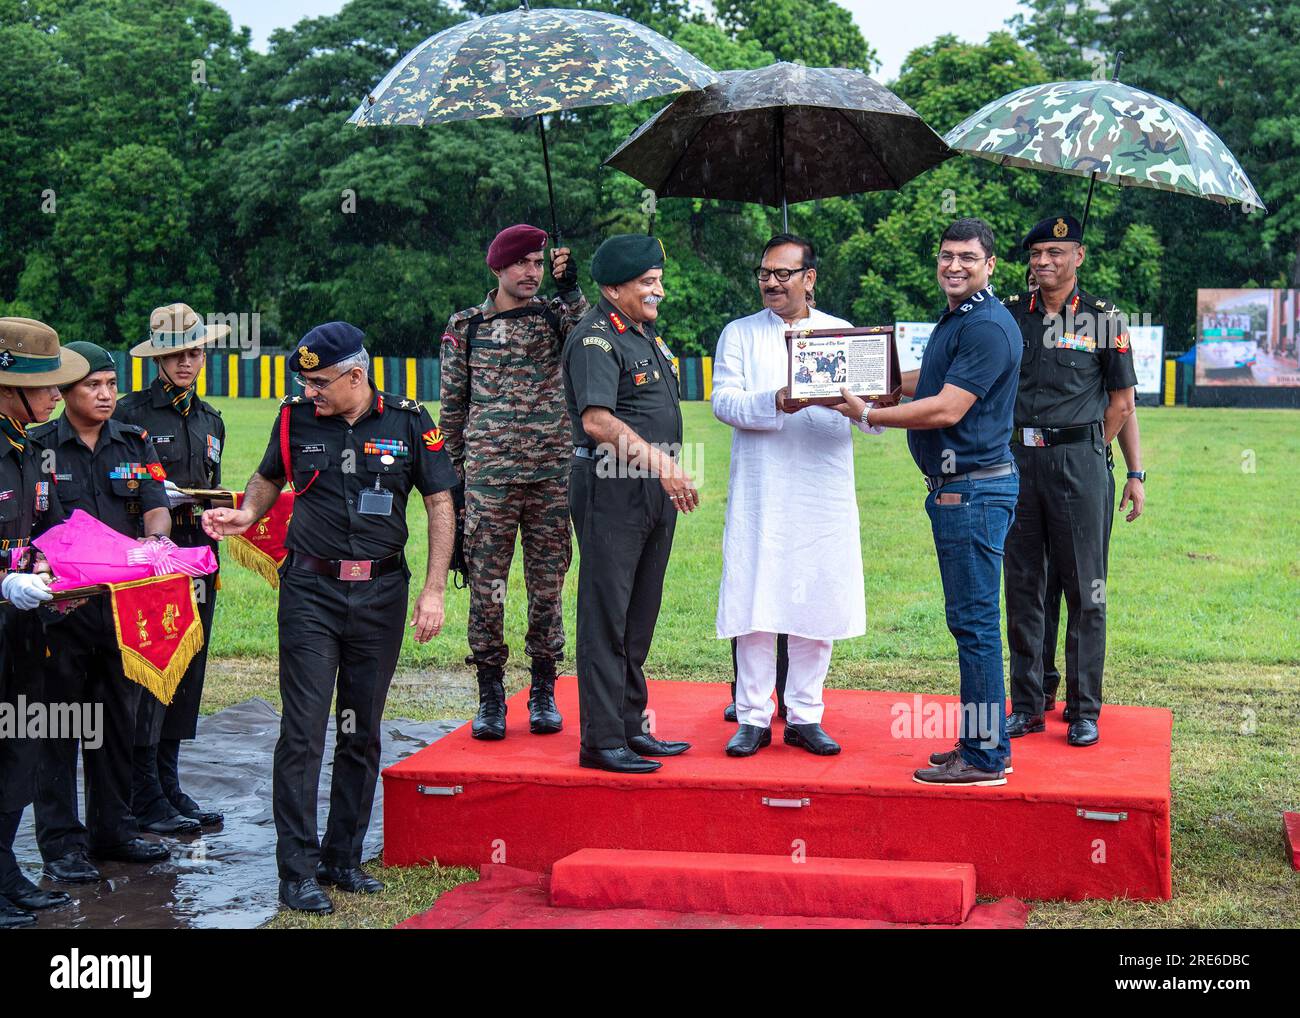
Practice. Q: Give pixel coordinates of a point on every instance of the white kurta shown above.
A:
(791, 551)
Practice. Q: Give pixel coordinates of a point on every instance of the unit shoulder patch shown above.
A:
(597, 341)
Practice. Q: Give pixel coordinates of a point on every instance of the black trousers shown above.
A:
(1051, 632)
(1063, 517)
(179, 719)
(22, 685)
(332, 631)
(624, 527)
(85, 669)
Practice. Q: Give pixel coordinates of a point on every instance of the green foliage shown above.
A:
(135, 176)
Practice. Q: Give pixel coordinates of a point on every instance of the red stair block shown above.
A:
(1291, 824)
(896, 892)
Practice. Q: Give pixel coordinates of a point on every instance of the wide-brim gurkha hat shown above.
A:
(174, 328)
(31, 358)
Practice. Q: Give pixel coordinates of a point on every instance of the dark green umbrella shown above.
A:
(529, 63)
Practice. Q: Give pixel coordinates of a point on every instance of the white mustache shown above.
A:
(651, 299)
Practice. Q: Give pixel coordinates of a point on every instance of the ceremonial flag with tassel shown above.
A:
(261, 547)
(158, 629)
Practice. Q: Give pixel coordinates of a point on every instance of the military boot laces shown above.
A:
(490, 721)
(543, 716)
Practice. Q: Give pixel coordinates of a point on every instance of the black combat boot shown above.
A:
(543, 716)
(490, 721)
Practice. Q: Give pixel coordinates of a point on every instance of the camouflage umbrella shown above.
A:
(528, 63)
(781, 133)
(1106, 130)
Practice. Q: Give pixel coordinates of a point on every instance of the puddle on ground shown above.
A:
(222, 878)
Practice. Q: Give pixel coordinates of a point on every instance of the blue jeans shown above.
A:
(968, 538)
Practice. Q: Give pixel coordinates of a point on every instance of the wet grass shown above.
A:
(1203, 594)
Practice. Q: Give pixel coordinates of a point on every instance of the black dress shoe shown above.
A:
(135, 850)
(648, 745)
(811, 738)
(1019, 724)
(305, 896)
(174, 823)
(187, 807)
(1067, 715)
(1083, 733)
(73, 868)
(621, 760)
(748, 740)
(14, 918)
(23, 893)
(348, 878)
(729, 712)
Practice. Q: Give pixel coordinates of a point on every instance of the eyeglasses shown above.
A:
(306, 383)
(966, 259)
(763, 275)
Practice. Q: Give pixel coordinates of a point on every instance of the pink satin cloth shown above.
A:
(83, 551)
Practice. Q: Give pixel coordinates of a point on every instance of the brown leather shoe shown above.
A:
(957, 772)
(939, 759)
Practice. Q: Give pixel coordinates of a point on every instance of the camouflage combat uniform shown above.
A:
(511, 445)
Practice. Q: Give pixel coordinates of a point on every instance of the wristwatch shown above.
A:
(1138, 475)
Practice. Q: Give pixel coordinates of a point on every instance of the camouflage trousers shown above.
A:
(494, 514)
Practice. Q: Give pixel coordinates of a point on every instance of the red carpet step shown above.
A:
(507, 898)
(894, 892)
(1291, 825)
(1070, 823)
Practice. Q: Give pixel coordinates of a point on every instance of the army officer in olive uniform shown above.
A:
(625, 491)
(1077, 386)
(32, 367)
(353, 454)
(110, 471)
(187, 434)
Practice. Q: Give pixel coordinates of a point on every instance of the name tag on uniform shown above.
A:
(162, 439)
(317, 447)
(375, 502)
(63, 477)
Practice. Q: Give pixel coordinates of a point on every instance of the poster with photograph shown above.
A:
(823, 360)
(1147, 344)
(1247, 337)
(912, 338)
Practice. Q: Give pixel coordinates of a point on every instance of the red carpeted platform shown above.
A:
(1070, 823)
(1291, 827)
(894, 892)
(506, 898)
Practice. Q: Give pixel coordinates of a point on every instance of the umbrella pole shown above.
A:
(780, 167)
(1092, 182)
(550, 191)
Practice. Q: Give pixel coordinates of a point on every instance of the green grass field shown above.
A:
(1203, 598)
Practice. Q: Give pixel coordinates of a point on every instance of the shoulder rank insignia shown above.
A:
(433, 438)
(1012, 299)
(407, 404)
(597, 341)
(617, 322)
(290, 400)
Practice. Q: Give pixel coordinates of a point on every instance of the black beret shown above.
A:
(325, 345)
(625, 257)
(1054, 228)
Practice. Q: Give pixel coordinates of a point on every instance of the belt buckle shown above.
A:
(1035, 437)
(355, 569)
(930, 484)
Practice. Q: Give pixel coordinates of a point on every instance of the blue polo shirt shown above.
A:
(975, 346)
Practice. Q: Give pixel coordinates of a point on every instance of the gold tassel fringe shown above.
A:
(249, 556)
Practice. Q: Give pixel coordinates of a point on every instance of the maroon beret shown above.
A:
(513, 243)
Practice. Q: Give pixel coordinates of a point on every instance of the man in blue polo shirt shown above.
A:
(959, 423)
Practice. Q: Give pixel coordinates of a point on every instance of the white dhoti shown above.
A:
(756, 679)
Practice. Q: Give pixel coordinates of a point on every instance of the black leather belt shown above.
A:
(1045, 437)
(348, 568)
(1001, 470)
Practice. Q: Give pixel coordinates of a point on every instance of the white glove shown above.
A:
(25, 590)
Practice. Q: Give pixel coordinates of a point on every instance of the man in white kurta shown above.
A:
(791, 559)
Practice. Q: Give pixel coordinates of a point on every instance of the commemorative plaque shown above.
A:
(822, 360)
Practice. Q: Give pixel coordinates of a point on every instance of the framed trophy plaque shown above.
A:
(821, 361)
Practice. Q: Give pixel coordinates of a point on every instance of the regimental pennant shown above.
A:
(392, 446)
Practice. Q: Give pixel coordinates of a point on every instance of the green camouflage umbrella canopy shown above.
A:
(525, 63)
(1109, 131)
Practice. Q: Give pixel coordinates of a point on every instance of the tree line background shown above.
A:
(151, 155)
